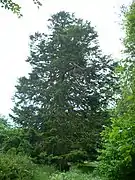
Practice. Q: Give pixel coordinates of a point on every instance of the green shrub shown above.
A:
(76, 156)
(16, 167)
(117, 159)
(63, 162)
(60, 162)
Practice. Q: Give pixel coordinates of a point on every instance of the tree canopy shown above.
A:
(66, 95)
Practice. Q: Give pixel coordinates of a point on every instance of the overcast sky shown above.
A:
(14, 35)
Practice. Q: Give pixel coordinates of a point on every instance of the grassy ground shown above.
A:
(73, 175)
(48, 173)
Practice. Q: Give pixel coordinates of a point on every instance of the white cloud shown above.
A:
(14, 35)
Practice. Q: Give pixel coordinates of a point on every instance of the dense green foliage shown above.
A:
(62, 104)
(117, 159)
(16, 167)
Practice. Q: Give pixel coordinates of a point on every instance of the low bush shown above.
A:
(117, 158)
(16, 167)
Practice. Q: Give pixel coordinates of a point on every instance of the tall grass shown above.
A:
(48, 173)
(44, 172)
(73, 175)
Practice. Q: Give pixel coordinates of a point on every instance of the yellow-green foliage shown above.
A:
(16, 167)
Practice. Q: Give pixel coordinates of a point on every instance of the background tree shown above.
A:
(66, 95)
(15, 7)
(12, 137)
(3, 121)
(117, 159)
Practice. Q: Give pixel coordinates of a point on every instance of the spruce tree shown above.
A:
(68, 90)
